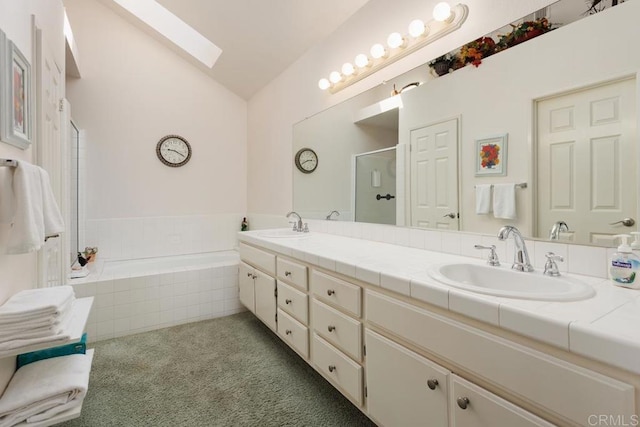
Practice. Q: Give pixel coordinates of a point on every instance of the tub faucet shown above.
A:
(328, 218)
(557, 228)
(297, 226)
(521, 260)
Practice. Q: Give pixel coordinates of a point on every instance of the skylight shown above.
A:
(174, 29)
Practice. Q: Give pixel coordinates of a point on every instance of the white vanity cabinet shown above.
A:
(403, 387)
(257, 284)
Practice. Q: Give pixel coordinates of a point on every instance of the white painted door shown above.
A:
(49, 86)
(245, 283)
(587, 162)
(404, 388)
(434, 176)
(265, 298)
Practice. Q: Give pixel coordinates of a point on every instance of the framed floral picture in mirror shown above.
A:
(491, 156)
(15, 95)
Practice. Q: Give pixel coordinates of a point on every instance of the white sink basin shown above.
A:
(505, 282)
(283, 234)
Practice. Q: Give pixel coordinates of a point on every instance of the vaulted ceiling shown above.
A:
(259, 38)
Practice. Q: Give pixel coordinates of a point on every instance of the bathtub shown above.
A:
(149, 266)
(133, 296)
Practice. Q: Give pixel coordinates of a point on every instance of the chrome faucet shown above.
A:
(297, 226)
(556, 229)
(328, 218)
(521, 260)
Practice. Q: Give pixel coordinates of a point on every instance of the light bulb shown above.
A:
(324, 84)
(395, 40)
(362, 61)
(442, 12)
(335, 77)
(378, 51)
(416, 28)
(347, 69)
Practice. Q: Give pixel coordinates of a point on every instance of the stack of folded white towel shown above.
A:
(40, 390)
(35, 316)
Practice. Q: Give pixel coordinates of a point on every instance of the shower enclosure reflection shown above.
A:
(375, 186)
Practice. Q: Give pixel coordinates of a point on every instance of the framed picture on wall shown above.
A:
(491, 156)
(15, 95)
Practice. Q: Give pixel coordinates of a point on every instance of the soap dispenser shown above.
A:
(624, 265)
(635, 245)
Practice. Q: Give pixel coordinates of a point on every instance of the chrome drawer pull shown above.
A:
(287, 301)
(463, 402)
(288, 332)
(254, 277)
(287, 273)
(331, 292)
(432, 384)
(331, 328)
(332, 368)
(249, 274)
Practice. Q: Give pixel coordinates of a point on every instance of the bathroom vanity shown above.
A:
(408, 350)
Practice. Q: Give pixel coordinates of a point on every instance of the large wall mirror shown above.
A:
(561, 108)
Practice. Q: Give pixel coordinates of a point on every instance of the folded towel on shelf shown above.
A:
(28, 330)
(43, 389)
(36, 213)
(504, 201)
(483, 199)
(33, 304)
(79, 347)
(8, 347)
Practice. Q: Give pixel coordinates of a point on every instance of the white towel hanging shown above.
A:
(504, 201)
(483, 199)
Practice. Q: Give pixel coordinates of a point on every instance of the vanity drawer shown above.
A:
(559, 387)
(293, 302)
(482, 407)
(337, 328)
(338, 292)
(293, 333)
(340, 369)
(292, 273)
(258, 258)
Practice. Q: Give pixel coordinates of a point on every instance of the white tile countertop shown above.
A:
(604, 327)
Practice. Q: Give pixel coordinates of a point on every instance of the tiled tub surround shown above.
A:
(142, 295)
(604, 328)
(147, 237)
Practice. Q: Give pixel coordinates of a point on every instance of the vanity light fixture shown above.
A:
(446, 19)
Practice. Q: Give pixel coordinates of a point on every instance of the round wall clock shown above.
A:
(306, 160)
(173, 150)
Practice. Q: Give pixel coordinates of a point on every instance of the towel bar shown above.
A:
(8, 162)
(51, 237)
(521, 185)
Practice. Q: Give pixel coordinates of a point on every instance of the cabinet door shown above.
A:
(404, 388)
(265, 291)
(473, 406)
(245, 282)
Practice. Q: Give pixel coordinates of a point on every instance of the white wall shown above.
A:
(18, 272)
(294, 95)
(134, 91)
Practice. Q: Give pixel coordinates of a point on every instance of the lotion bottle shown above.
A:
(624, 265)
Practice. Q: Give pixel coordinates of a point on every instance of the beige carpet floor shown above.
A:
(231, 371)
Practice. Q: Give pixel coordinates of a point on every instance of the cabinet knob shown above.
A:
(287, 301)
(332, 368)
(432, 384)
(254, 277)
(287, 273)
(330, 292)
(463, 402)
(331, 328)
(249, 274)
(288, 332)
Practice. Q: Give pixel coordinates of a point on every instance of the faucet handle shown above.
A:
(306, 228)
(550, 267)
(295, 225)
(493, 256)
